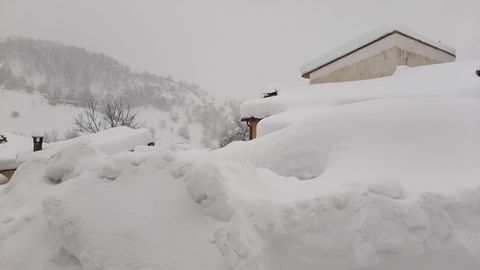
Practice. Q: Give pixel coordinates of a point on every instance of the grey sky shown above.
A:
(233, 48)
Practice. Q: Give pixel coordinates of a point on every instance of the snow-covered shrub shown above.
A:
(15, 114)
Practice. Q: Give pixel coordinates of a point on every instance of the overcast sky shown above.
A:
(233, 48)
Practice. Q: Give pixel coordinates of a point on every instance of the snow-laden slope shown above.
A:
(26, 113)
(64, 74)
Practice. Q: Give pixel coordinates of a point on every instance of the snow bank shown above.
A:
(9, 151)
(167, 208)
(419, 127)
(119, 139)
(419, 141)
(143, 218)
(109, 141)
(282, 223)
(365, 39)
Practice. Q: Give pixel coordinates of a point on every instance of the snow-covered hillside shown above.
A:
(26, 113)
(51, 78)
(393, 165)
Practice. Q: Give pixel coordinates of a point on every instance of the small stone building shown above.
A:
(376, 54)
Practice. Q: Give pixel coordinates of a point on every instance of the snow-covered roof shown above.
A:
(433, 80)
(419, 108)
(18, 149)
(365, 40)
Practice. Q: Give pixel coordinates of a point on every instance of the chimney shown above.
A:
(37, 141)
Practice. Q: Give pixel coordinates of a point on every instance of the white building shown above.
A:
(376, 54)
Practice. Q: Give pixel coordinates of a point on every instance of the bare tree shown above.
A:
(90, 120)
(114, 114)
(117, 114)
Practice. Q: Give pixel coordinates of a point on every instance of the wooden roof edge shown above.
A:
(250, 118)
(307, 74)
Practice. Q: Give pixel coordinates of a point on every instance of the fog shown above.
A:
(232, 48)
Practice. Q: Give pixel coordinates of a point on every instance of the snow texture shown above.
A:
(174, 209)
(393, 185)
(419, 123)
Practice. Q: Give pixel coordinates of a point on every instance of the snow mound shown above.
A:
(203, 183)
(391, 189)
(419, 127)
(71, 160)
(109, 141)
(117, 139)
(281, 222)
(9, 151)
(165, 208)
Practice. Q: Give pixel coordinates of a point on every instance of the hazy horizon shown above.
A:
(232, 49)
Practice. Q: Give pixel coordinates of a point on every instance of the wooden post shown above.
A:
(252, 125)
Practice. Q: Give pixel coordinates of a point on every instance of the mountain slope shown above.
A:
(70, 75)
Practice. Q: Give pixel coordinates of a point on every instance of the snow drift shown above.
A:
(394, 176)
(420, 123)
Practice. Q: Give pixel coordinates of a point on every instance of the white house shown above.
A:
(376, 54)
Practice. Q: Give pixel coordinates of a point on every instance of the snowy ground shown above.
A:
(393, 184)
(9, 151)
(26, 113)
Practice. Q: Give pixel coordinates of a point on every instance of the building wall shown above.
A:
(380, 59)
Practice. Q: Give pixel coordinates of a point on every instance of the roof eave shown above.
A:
(307, 74)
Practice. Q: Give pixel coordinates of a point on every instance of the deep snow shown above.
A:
(19, 149)
(9, 151)
(393, 169)
(166, 208)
